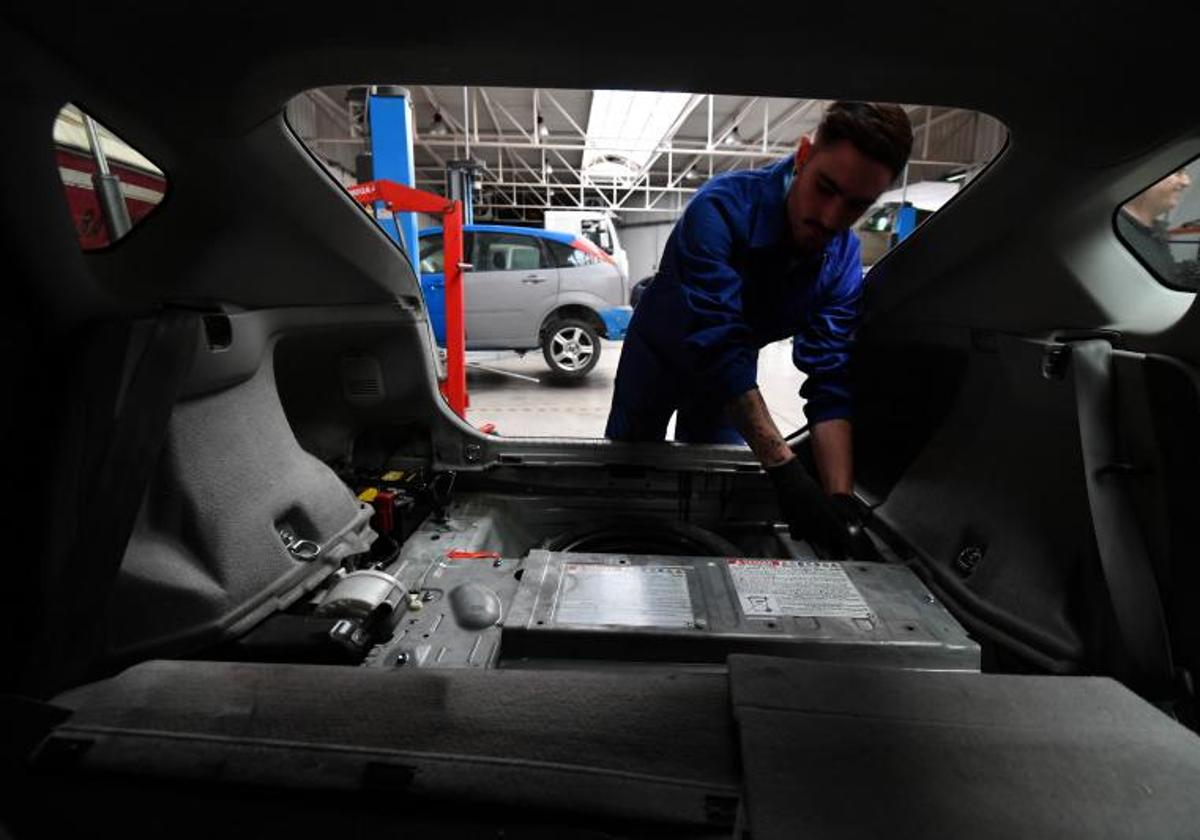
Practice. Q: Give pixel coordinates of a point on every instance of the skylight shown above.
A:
(625, 127)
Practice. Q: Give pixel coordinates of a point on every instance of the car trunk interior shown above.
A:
(557, 637)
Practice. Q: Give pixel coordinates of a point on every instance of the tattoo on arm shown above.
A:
(751, 417)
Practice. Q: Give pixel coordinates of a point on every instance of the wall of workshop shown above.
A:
(310, 122)
(644, 242)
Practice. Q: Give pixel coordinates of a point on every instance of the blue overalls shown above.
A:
(729, 283)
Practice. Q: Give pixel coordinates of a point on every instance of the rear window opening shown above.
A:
(570, 198)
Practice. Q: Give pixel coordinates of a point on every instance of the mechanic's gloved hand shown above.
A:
(855, 542)
(833, 522)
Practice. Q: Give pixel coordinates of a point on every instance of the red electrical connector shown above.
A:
(459, 554)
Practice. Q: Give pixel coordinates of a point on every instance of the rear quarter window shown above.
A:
(566, 256)
(110, 187)
(1161, 226)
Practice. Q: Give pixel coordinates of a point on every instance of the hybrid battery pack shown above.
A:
(701, 609)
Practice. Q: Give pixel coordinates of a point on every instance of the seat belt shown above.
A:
(1124, 559)
(141, 411)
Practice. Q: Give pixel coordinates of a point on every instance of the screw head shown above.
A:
(968, 559)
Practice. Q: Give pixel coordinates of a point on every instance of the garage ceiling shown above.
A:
(631, 153)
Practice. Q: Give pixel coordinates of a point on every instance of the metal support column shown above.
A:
(390, 115)
(460, 186)
(113, 208)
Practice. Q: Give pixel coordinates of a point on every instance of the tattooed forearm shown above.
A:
(751, 417)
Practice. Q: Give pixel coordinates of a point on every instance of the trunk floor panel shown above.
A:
(849, 751)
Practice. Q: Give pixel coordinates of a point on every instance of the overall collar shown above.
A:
(770, 224)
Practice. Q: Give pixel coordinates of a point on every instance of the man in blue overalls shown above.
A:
(759, 256)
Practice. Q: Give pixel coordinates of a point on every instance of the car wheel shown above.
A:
(571, 348)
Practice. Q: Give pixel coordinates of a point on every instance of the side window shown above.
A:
(432, 254)
(110, 187)
(507, 252)
(879, 221)
(1161, 225)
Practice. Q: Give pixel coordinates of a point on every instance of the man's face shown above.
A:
(834, 185)
(1164, 196)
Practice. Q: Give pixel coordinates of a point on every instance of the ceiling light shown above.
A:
(549, 170)
(691, 175)
(733, 138)
(439, 125)
(542, 130)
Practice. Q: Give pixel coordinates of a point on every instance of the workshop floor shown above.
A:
(520, 408)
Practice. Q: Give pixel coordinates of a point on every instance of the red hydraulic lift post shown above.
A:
(398, 197)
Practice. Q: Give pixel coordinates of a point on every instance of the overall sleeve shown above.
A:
(718, 342)
(822, 348)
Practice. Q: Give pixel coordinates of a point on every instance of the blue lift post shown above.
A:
(906, 221)
(390, 115)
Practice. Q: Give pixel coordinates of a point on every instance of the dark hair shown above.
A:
(880, 131)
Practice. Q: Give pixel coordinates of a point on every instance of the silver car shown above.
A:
(530, 289)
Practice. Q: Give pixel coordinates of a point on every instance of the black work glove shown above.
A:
(833, 522)
(856, 544)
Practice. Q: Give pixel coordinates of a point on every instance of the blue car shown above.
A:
(530, 289)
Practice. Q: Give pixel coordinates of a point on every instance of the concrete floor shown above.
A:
(521, 408)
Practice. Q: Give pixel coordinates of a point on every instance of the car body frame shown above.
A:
(1027, 399)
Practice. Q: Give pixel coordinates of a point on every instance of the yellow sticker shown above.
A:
(368, 495)
(394, 475)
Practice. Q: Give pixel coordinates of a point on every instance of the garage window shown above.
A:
(1161, 225)
(110, 186)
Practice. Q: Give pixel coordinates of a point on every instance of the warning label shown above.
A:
(768, 588)
(632, 596)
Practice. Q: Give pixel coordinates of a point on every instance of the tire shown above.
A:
(571, 348)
